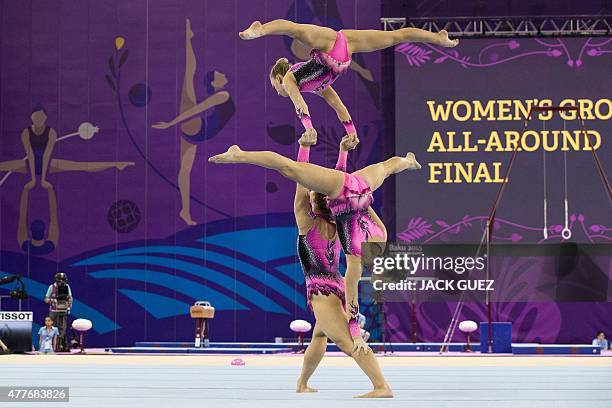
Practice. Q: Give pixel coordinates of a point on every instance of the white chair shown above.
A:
(468, 327)
(82, 325)
(300, 327)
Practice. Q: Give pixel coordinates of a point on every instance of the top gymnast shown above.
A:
(330, 56)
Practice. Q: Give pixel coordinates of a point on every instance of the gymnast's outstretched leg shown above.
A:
(323, 38)
(313, 36)
(312, 357)
(374, 40)
(320, 179)
(375, 174)
(331, 319)
(313, 177)
(188, 96)
(61, 165)
(18, 166)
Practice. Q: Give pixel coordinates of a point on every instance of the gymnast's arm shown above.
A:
(377, 220)
(349, 142)
(22, 228)
(47, 157)
(213, 100)
(301, 108)
(29, 153)
(333, 100)
(301, 202)
(53, 235)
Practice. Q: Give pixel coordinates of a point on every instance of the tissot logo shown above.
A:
(23, 316)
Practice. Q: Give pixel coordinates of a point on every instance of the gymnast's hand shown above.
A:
(309, 137)
(349, 142)
(161, 125)
(360, 346)
(301, 108)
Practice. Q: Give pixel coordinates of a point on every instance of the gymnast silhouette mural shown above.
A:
(35, 243)
(38, 142)
(194, 128)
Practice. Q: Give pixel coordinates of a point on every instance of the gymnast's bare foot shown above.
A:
(304, 388)
(255, 30)
(411, 162)
(187, 218)
(384, 392)
(444, 41)
(188, 31)
(122, 165)
(231, 156)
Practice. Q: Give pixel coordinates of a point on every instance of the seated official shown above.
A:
(600, 341)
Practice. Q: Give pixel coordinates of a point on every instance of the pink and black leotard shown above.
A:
(322, 69)
(319, 256)
(350, 210)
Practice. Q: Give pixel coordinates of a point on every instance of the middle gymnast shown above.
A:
(319, 253)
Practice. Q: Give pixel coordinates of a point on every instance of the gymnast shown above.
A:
(39, 143)
(329, 58)
(349, 198)
(319, 253)
(195, 128)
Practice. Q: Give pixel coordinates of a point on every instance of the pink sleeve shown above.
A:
(306, 121)
(354, 329)
(303, 154)
(342, 158)
(349, 126)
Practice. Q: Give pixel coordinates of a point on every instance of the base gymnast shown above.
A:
(349, 199)
(329, 58)
(319, 253)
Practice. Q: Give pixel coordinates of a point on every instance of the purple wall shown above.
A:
(57, 53)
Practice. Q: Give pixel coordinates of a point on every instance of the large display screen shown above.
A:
(462, 111)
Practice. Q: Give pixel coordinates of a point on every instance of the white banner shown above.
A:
(17, 316)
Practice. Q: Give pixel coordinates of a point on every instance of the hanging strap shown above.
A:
(545, 230)
(566, 233)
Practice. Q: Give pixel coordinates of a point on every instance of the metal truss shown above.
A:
(526, 26)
